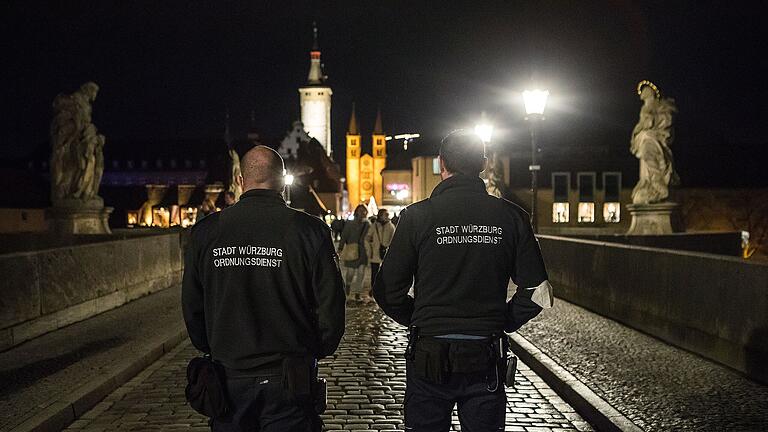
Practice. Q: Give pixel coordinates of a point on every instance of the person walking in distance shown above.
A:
(458, 249)
(378, 239)
(262, 294)
(352, 252)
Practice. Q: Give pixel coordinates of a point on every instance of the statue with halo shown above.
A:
(651, 143)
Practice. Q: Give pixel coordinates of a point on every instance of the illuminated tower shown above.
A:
(316, 101)
(353, 161)
(379, 146)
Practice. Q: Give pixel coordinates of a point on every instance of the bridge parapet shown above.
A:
(48, 289)
(714, 305)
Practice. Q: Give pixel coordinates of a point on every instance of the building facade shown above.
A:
(364, 171)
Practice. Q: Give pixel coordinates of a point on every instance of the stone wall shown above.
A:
(49, 289)
(716, 306)
(720, 243)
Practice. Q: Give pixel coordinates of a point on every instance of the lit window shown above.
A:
(586, 212)
(612, 212)
(133, 218)
(161, 217)
(612, 188)
(436, 166)
(561, 209)
(560, 212)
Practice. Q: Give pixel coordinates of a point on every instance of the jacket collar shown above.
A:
(270, 196)
(459, 182)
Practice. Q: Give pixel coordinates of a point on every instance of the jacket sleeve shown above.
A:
(534, 292)
(329, 292)
(193, 300)
(395, 277)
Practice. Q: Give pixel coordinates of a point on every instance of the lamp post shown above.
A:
(485, 131)
(288, 182)
(535, 102)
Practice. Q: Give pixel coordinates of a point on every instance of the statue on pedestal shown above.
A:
(77, 164)
(651, 143)
(234, 172)
(77, 156)
(652, 212)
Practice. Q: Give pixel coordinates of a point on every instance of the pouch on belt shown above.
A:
(470, 356)
(430, 360)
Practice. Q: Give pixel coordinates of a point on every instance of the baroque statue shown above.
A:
(77, 157)
(651, 144)
(234, 172)
(493, 172)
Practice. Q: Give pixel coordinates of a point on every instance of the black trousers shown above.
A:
(428, 406)
(260, 403)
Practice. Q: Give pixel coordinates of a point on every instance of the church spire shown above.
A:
(315, 68)
(377, 128)
(315, 45)
(353, 129)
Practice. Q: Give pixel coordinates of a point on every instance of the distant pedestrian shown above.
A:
(337, 226)
(379, 237)
(353, 254)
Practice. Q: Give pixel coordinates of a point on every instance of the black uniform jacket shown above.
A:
(459, 249)
(261, 281)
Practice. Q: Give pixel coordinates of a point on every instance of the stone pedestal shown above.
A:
(654, 219)
(79, 217)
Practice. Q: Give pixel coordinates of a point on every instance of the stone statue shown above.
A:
(77, 158)
(651, 142)
(493, 174)
(234, 186)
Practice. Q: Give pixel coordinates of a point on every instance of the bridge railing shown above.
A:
(714, 305)
(44, 290)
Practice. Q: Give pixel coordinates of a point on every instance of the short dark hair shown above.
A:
(463, 152)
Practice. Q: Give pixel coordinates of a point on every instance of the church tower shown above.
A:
(379, 146)
(353, 161)
(315, 100)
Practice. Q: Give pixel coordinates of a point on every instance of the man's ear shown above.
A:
(442, 164)
(239, 180)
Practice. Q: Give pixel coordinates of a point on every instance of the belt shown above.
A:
(269, 369)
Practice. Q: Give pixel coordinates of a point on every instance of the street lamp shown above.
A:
(484, 131)
(535, 102)
(492, 179)
(288, 179)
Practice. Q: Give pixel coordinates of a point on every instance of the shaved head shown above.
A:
(262, 168)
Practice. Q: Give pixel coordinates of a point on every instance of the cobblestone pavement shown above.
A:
(366, 381)
(658, 386)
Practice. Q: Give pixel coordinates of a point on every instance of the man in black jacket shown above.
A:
(263, 295)
(458, 250)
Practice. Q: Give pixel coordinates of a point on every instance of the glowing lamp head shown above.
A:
(535, 101)
(288, 179)
(484, 131)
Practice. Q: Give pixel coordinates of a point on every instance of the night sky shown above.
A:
(170, 70)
